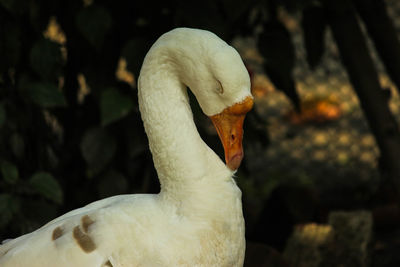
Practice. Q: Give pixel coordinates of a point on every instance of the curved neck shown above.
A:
(180, 156)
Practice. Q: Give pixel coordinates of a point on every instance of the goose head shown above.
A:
(221, 83)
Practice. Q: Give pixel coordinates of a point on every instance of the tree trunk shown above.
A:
(383, 33)
(363, 75)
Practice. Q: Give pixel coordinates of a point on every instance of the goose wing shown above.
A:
(69, 240)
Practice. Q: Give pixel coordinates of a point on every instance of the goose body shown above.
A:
(196, 219)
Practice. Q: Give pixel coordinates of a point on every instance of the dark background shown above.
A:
(322, 137)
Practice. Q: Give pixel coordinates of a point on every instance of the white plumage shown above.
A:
(196, 219)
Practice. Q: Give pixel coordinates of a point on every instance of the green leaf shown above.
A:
(97, 148)
(134, 52)
(2, 115)
(9, 172)
(93, 22)
(9, 205)
(17, 145)
(114, 106)
(46, 95)
(46, 59)
(15, 7)
(10, 5)
(10, 45)
(202, 14)
(235, 9)
(39, 211)
(47, 186)
(7, 4)
(112, 183)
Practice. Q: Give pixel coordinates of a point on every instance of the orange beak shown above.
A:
(229, 125)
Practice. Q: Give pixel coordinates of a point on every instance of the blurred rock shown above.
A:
(343, 242)
(307, 245)
(353, 234)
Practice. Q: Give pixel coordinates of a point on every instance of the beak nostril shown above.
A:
(232, 137)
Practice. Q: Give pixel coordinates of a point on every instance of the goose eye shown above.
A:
(219, 88)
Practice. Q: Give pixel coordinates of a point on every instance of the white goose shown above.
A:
(196, 219)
